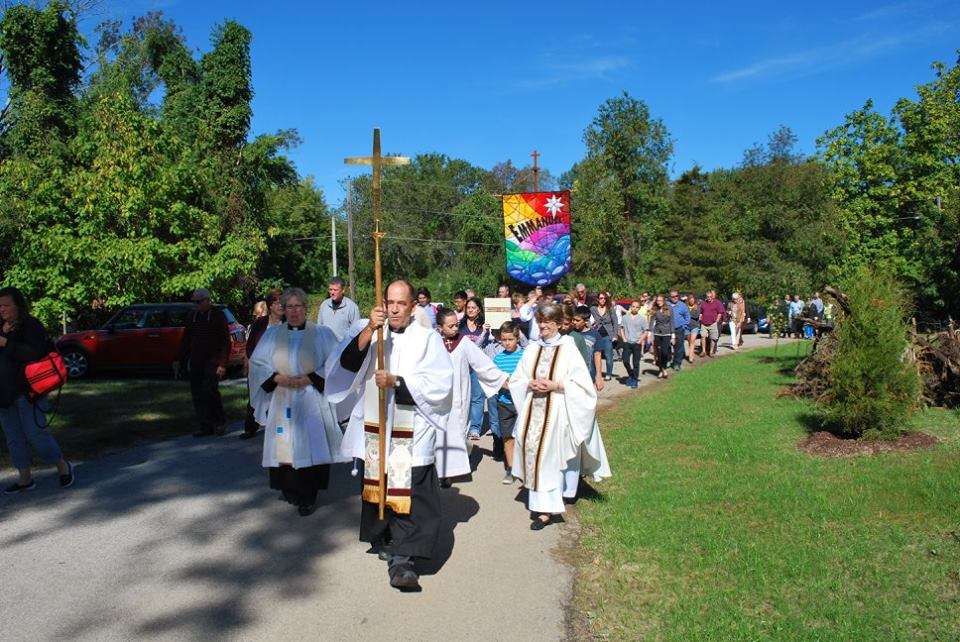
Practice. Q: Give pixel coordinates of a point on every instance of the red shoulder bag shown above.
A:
(46, 375)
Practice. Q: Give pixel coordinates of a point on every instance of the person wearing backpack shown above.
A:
(22, 341)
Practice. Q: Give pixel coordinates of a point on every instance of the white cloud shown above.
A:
(559, 72)
(833, 56)
(897, 9)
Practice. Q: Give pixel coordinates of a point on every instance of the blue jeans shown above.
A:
(679, 347)
(493, 414)
(605, 345)
(20, 427)
(476, 405)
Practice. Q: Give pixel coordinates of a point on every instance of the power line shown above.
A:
(391, 237)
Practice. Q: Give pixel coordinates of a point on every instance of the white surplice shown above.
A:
(453, 450)
(417, 355)
(555, 433)
(299, 426)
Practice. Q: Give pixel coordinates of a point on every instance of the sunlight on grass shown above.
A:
(102, 415)
(715, 526)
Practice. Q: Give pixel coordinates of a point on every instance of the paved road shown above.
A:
(183, 540)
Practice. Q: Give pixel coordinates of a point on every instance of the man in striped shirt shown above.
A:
(507, 361)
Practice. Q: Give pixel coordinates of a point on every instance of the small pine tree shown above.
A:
(874, 390)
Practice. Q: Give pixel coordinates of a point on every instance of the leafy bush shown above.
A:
(873, 389)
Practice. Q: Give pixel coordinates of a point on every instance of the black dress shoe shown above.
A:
(381, 550)
(306, 511)
(538, 524)
(403, 577)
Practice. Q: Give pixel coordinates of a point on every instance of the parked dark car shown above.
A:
(142, 337)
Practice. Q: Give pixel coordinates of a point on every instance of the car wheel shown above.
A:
(77, 363)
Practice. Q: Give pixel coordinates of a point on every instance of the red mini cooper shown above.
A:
(142, 337)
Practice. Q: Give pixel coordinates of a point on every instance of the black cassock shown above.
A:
(413, 535)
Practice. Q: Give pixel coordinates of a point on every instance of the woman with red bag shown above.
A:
(22, 341)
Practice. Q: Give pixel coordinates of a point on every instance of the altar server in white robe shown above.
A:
(556, 410)
(418, 379)
(453, 449)
(302, 437)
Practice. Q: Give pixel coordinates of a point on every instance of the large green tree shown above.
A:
(133, 202)
(896, 181)
(634, 149)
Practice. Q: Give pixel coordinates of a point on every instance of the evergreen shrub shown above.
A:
(874, 388)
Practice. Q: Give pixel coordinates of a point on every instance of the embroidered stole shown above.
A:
(535, 427)
(399, 463)
(306, 360)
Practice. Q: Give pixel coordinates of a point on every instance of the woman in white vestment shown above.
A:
(453, 449)
(301, 436)
(556, 404)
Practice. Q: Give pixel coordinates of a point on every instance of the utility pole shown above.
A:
(333, 241)
(350, 274)
(536, 171)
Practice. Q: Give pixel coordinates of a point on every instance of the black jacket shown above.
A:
(27, 342)
(206, 339)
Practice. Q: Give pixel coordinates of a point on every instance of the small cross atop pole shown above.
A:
(377, 161)
(536, 171)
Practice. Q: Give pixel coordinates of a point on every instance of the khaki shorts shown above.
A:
(712, 331)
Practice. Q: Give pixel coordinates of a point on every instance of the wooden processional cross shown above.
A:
(377, 161)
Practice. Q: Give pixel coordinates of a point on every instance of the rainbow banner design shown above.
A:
(536, 231)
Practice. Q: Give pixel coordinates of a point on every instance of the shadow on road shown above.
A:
(457, 509)
(194, 523)
(217, 540)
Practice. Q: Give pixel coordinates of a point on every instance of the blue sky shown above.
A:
(488, 81)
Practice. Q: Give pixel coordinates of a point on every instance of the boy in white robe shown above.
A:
(556, 404)
(453, 449)
(418, 379)
(302, 437)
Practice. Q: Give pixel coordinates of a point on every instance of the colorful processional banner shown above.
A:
(536, 230)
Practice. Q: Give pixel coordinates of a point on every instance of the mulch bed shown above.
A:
(825, 444)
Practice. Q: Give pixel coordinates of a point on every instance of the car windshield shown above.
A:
(127, 318)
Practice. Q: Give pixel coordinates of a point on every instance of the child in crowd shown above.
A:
(507, 361)
(492, 349)
(580, 330)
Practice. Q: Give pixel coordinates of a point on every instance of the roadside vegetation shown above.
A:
(98, 416)
(715, 525)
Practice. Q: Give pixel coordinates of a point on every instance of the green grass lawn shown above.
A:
(99, 415)
(715, 526)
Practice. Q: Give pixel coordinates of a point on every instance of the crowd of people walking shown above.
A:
(532, 382)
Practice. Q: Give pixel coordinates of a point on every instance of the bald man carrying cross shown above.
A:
(418, 380)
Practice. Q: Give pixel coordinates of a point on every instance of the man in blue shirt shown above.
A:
(796, 311)
(338, 312)
(681, 327)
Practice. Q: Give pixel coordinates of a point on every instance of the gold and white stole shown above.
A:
(399, 463)
(533, 433)
(283, 397)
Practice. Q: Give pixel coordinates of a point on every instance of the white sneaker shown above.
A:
(507, 478)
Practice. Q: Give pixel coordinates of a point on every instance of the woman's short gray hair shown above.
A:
(549, 311)
(293, 293)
